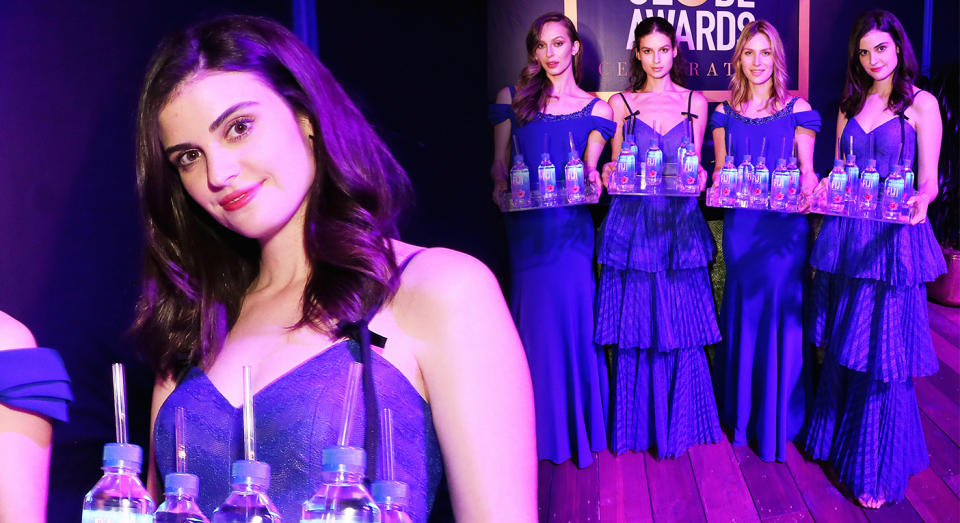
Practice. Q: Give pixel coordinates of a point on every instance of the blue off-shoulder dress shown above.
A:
(870, 311)
(552, 292)
(297, 415)
(655, 306)
(36, 381)
(760, 373)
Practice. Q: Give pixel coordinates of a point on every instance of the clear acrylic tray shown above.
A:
(713, 200)
(591, 195)
(669, 185)
(850, 210)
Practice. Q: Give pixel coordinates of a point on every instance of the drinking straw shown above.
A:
(350, 402)
(181, 441)
(119, 403)
(386, 442)
(249, 436)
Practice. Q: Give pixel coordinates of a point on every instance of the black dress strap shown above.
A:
(689, 117)
(360, 332)
(630, 116)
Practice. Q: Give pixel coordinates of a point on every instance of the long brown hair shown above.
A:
(858, 81)
(534, 88)
(655, 24)
(740, 86)
(196, 271)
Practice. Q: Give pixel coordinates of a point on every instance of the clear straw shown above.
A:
(871, 147)
(729, 143)
(546, 143)
(783, 147)
(573, 147)
(249, 436)
(851, 144)
(763, 147)
(516, 145)
(350, 402)
(181, 441)
(839, 149)
(386, 442)
(119, 402)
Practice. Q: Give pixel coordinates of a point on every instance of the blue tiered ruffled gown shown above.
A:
(552, 292)
(655, 307)
(760, 370)
(871, 314)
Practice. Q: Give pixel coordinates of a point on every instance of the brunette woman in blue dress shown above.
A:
(760, 366)
(551, 250)
(270, 211)
(869, 289)
(655, 306)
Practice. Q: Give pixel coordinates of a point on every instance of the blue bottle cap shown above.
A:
(653, 142)
(761, 159)
(344, 459)
(690, 148)
(125, 455)
(728, 159)
(385, 491)
(781, 162)
(837, 163)
(747, 158)
(872, 163)
(181, 483)
(252, 472)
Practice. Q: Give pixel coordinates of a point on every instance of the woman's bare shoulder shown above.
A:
(13, 334)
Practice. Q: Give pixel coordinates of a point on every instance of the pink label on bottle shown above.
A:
(550, 188)
(575, 189)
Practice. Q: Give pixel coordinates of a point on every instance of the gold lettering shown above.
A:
(603, 69)
(694, 69)
(712, 71)
(726, 65)
(622, 69)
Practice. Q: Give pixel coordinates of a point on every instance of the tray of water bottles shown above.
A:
(750, 186)
(568, 190)
(653, 177)
(849, 193)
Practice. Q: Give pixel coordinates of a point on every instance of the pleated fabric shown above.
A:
(655, 310)
(870, 313)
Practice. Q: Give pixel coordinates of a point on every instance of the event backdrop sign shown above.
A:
(707, 31)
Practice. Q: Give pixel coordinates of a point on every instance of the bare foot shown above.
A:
(868, 501)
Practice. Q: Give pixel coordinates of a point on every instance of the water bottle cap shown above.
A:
(690, 148)
(746, 158)
(181, 482)
(781, 162)
(653, 142)
(851, 157)
(122, 455)
(872, 162)
(838, 163)
(344, 459)
(252, 472)
(389, 491)
(793, 160)
(625, 146)
(761, 159)
(728, 159)
(545, 156)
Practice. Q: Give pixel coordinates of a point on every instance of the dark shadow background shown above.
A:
(69, 222)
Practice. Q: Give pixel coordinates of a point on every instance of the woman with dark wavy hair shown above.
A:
(869, 289)
(551, 250)
(760, 373)
(655, 305)
(270, 210)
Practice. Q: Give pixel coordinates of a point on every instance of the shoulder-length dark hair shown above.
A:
(858, 81)
(655, 24)
(196, 271)
(534, 88)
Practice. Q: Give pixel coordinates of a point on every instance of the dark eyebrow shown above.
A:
(226, 114)
(213, 127)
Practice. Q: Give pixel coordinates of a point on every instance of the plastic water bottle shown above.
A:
(836, 187)
(744, 175)
(248, 501)
(119, 496)
(682, 151)
(548, 181)
(793, 192)
(573, 176)
(391, 497)
(729, 181)
(869, 186)
(907, 180)
(893, 195)
(180, 505)
(519, 179)
(689, 169)
(342, 496)
(780, 186)
(853, 178)
(626, 169)
(760, 184)
(654, 164)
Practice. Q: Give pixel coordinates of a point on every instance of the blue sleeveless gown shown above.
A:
(296, 417)
(760, 370)
(655, 306)
(552, 292)
(35, 380)
(871, 314)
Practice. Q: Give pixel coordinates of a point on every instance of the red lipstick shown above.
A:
(239, 199)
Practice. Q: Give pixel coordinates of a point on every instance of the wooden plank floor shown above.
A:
(721, 483)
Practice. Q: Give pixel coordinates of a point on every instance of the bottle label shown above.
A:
(520, 182)
(548, 180)
(107, 516)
